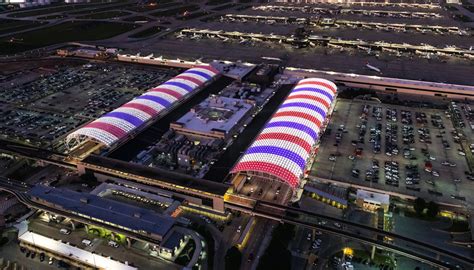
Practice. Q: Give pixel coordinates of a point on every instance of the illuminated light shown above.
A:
(284, 145)
(348, 251)
(118, 123)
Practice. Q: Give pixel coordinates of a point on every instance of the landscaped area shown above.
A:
(64, 32)
(153, 6)
(52, 17)
(176, 11)
(137, 18)
(105, 15)
(7, 26)
(49, 10)
(147, 32)
(187, 253)
(101, 9)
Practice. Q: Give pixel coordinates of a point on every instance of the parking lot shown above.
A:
(135, 255)
(42, 104)
(406, 150)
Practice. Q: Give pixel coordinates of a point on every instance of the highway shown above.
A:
(34, 153)
(414, 249)
(429, 253)
(132, 171)
(421, 251)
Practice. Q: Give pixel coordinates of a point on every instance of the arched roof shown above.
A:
(113, 126)
(284, 145)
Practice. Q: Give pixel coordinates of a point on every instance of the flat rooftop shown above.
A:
(73, 252)
(215, 113)
(160, 175)
(128, 216)
(373, 196)
(233, 69)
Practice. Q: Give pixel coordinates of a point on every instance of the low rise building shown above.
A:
(172, 245)
(215, 118)
(112, 213)
(372, 201)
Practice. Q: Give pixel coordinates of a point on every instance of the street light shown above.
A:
(347, 251)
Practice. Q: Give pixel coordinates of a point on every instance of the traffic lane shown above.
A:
(254, 243)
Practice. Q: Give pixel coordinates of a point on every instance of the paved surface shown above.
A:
(11, 252)
(425, 231)
(138, 257)
(348, 112)
(317, 58)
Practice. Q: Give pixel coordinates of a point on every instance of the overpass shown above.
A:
(19, 190)
(194, 190)
(209, 194)
(414, 249)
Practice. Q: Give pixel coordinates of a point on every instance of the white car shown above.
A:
(65, 231)
(87, 242)
(113, 244)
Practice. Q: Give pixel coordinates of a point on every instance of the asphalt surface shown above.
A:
(348, 113)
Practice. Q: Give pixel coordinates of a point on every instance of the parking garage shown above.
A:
(281, 151)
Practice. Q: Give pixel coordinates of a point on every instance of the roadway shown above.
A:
(263, 209)
(412, 248)
(20, 190)
(122, 169)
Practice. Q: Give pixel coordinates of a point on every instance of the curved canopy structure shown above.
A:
(285, 143)
(117, 124)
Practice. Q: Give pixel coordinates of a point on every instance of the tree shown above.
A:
(277, 256)
(419, 206)
(432, 209)
(233, 259)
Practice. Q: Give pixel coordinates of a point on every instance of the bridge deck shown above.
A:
(161, 175)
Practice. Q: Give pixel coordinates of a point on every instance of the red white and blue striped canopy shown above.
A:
(284, 145)
(115, 125)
